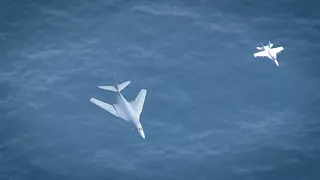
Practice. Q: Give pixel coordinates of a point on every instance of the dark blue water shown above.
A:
(212, 112)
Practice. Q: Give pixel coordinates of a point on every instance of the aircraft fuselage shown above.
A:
(271, 55)
(130, 113)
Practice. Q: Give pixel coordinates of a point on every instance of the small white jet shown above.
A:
(269, 52)
(129, 111)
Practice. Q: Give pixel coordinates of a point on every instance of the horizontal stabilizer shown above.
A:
(109, 88)
(123, 85)
(259, 48)
(115, 88)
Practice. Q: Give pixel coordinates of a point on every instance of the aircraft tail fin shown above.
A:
(270, 44)
(261, 48)
(116, 88)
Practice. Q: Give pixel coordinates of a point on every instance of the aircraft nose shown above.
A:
(141, 132)
(142, 135)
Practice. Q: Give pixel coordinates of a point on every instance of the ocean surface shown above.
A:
(212, 112)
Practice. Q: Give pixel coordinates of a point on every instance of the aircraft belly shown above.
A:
(120, 113)
(123, 108)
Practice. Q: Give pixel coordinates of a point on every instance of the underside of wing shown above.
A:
(120, 112)
(104, 106)
(113, 109)
(277, 50)
(261, 54)
(139, 101)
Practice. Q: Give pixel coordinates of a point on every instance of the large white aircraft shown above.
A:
(269, 52)
(129, 111)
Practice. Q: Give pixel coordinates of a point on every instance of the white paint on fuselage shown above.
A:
(272, 55)
(130, 113)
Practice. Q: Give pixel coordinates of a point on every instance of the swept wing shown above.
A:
(138, 103)
(261, 54)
